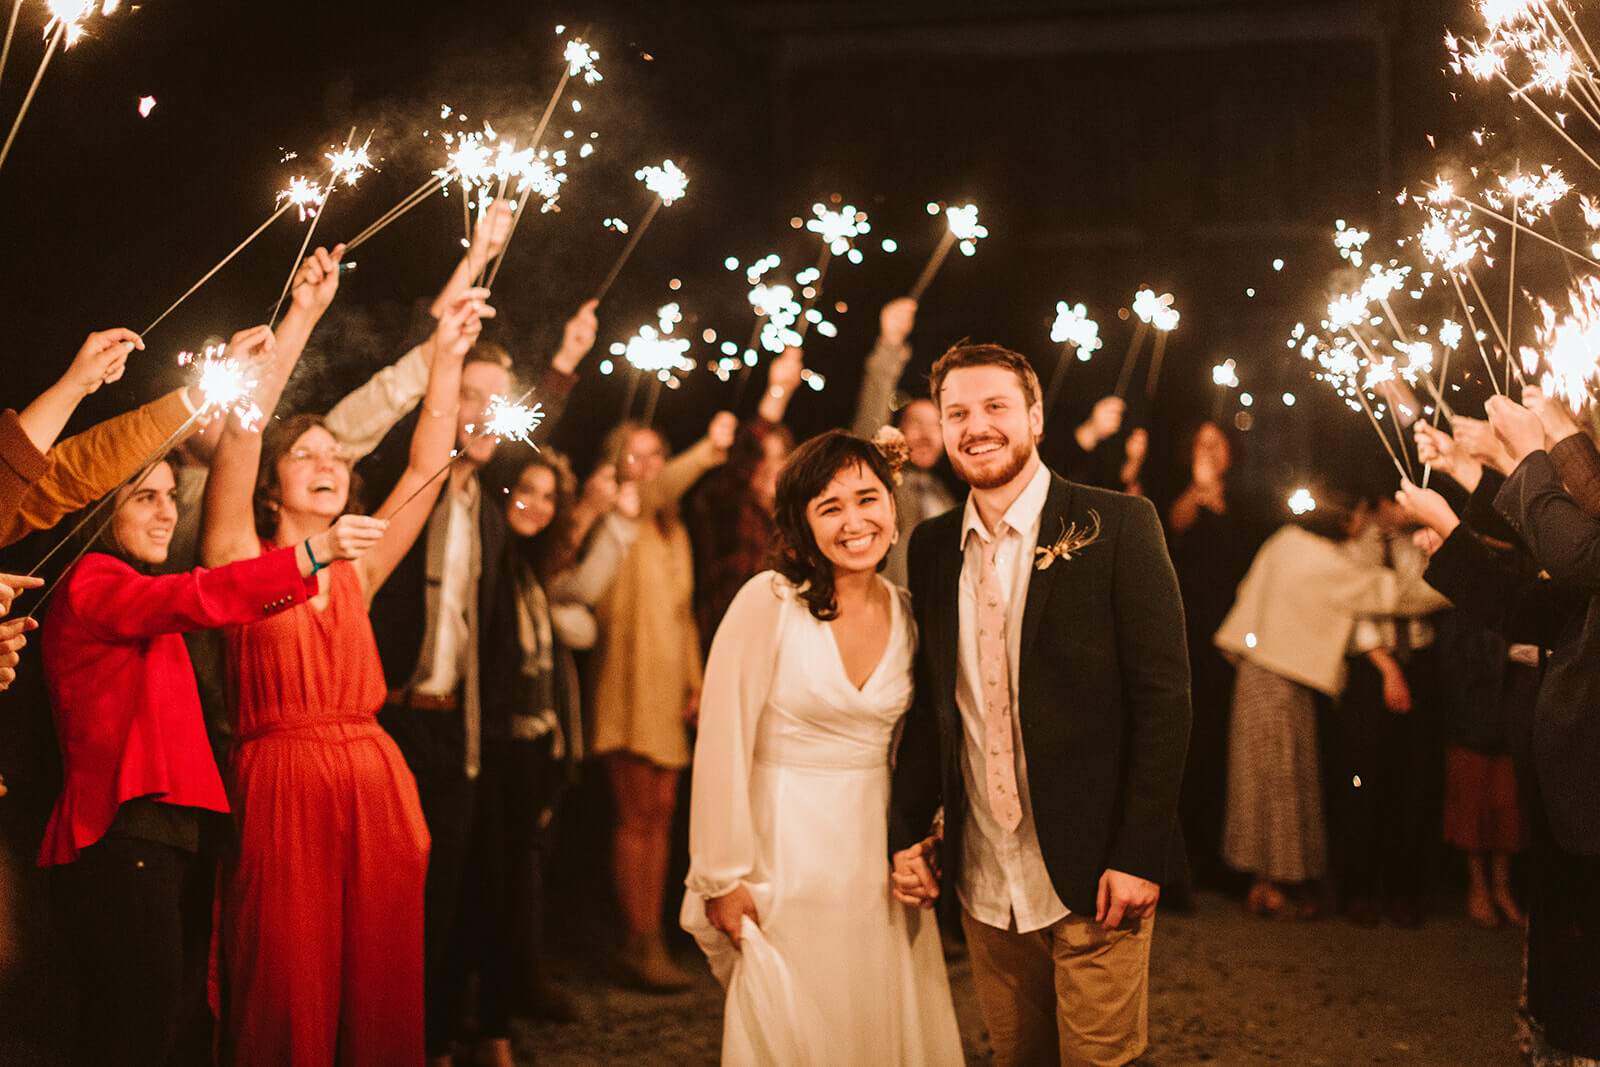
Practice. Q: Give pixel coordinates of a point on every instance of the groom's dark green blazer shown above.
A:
(1102, 698)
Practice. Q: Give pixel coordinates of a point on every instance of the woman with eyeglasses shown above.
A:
(321, 913)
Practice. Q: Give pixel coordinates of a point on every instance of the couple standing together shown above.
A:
(1038, 664)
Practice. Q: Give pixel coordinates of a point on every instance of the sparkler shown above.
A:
(1152, 311)
(346, 164)
(580, 60)
(838, 230)
(1074, 330)
(668, 183)
(66, 22)
(509, 420)
(1342, 368)
(962, 226)
(225, 384)
(654, 351)
(1568, 345)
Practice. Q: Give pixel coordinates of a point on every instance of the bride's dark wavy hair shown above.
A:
(810, 468)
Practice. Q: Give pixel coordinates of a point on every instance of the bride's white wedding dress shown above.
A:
(791, 794)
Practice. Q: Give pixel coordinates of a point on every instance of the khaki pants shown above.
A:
(1074, 990)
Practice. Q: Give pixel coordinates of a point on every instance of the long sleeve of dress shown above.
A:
(680, 473)
(875, 404)
(738, 680)
(87, 466)
(116, 603)
(588, 581)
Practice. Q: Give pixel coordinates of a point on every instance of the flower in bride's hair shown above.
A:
(891, 445)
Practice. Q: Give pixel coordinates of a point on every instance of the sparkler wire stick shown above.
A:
(1510, 358)
(627, 250)
(1361, 395)
(1520, 93)
(417, 196)
(751, 350)
(274, 217)
(11, 30)
(1511, 284)
(810, 302)
(633, 391)
(1130, 360)
(50, 50)
(946, 242)
(533, 146)
(1472, 327)
(1057, 376)
(651, 396)
(288, 283)
(1156, 354)
(1399, 431)
(1529, 230)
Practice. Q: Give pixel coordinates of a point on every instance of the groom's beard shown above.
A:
(1015, 456)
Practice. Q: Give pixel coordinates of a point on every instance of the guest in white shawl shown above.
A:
(1288, 631)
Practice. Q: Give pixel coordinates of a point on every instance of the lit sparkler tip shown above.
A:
(1074, 324)
(510, 421)
(1301, 502)
(304, 194)
(580, 60)
(838, 229)
(964, 226)
(1226, 374)
(1155, 310)
(667, 181)
(69, 14)
(349, 163)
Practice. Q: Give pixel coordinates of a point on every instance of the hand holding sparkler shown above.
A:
(11, 643)
(1517, 428)
(317, 281)
(724, 424)
(577, 338)
(1555, 416)
(1427, 507)
(896, 321)
(101, 359)
(12, 586)
(783, 378)
(350, 537)
(1438, 451)
(1480, 443)
(461, 324)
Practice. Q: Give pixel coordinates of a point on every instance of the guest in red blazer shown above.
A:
(139, 773)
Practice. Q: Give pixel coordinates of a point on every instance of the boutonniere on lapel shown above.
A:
(1072, 540)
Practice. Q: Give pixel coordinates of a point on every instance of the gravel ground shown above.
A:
(1225, 989)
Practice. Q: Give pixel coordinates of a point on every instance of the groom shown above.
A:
(1051, 719)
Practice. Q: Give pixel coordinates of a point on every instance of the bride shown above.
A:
(789, 892)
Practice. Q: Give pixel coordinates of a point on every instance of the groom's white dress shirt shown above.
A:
(1002, 872)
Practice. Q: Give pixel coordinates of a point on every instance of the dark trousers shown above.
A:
(1563, 964)
(1382, 773)
(131, 947)
(480, 910)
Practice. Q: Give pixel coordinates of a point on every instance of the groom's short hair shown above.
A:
(965, 354)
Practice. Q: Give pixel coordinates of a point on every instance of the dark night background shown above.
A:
(1183, 145)
(1109, 144)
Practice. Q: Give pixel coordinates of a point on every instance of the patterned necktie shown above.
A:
(999, 750)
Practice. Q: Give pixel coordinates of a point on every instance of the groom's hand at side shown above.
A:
(1124, 896)
(915, 874)
(727, 914)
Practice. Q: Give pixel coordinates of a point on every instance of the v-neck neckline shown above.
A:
(894, 628)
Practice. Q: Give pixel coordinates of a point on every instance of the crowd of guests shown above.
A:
(364, 744)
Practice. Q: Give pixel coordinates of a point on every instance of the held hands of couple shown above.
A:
(915, 875)
(728, 911)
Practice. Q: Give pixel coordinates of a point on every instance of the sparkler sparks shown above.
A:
(69, 16)
(1349, 241)
(838, 229)
(1155, 310)
(1301, 502)
(304, 194)
(349, 163)
(965, 227)
(1074, 326)
(1568, 345)
(226, 383)
(580, 60)
(667, 181)
(511, 421)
